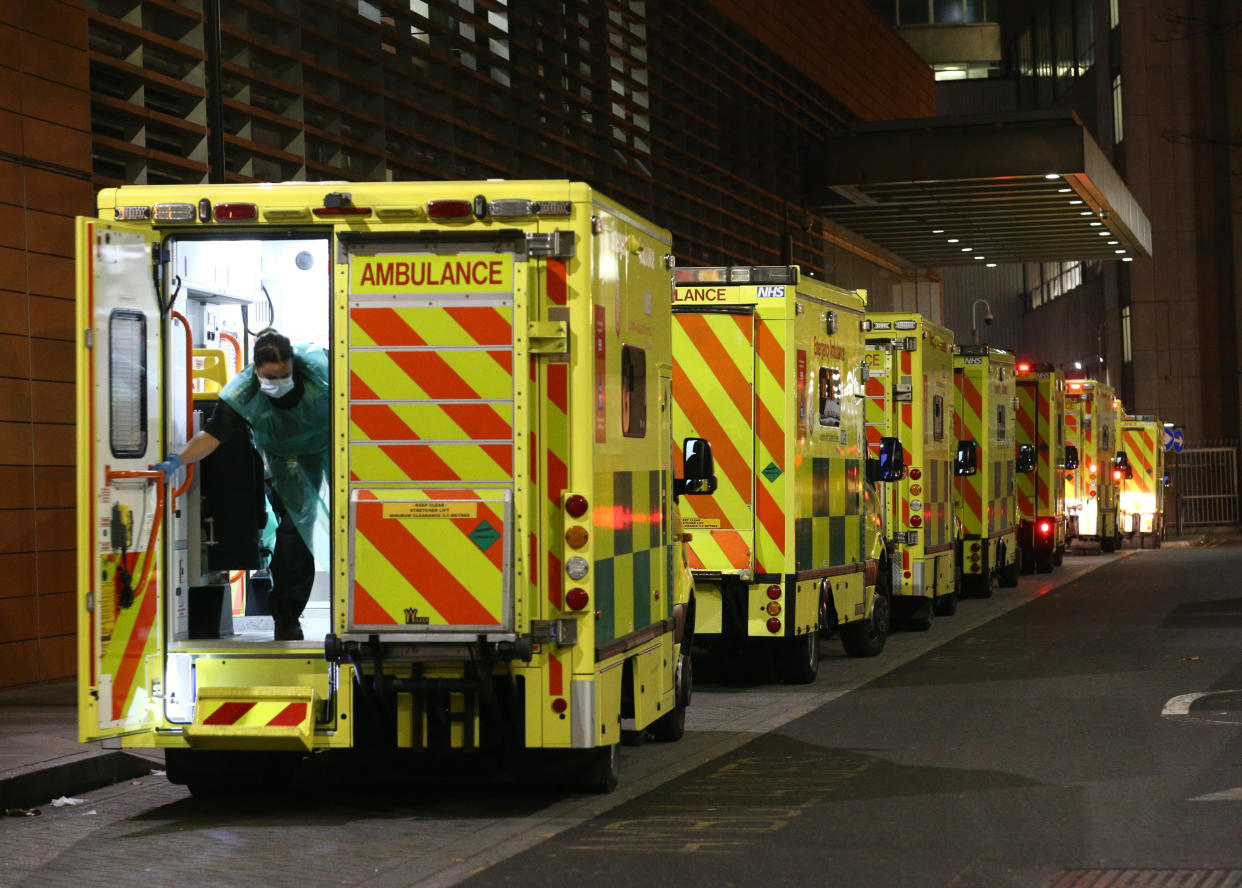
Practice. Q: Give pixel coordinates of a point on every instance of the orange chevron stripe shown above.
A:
(437, 584)
(722, 363)
(736, 468)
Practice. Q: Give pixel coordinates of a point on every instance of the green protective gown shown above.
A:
(294, 442)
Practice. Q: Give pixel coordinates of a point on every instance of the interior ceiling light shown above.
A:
(1052, 175)
(1097, 223)
(937, 231)
(1075, 202)
(991, 265)
(1064, 190)
(953, 240)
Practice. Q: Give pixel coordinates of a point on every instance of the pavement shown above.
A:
(41, 758)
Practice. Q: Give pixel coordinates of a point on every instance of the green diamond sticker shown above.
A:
(772, 472)
(484, 535)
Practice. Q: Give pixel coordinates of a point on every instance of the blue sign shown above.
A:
(1174, 440)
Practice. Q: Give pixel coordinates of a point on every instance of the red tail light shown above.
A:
(916, 520)
(774, 592)
(341, 211)
(1045, 528)
(236, 212)
(576, 505)
(449, 209)
(577, 599)
(774, 625)
(1116, 474)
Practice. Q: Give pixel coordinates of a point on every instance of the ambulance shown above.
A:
(1141, 503)
(499, 566)
(910, 396)
(1041, 466)
(769, 366)
(1091, 498)
(984, 489)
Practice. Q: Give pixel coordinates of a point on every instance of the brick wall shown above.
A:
(847, 49)
(45, 164)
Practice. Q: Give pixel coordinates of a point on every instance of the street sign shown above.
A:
(1168, 438)
(1174, 440)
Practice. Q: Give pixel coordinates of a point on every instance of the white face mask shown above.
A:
(276, 388)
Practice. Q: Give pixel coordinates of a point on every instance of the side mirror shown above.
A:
(1026, 458)
(1071, 456)
(967, 460)
(891, 465)
(698, 468)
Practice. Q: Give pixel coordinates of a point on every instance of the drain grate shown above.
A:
(1147, 878)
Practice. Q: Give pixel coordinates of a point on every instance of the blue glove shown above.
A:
(168, 466)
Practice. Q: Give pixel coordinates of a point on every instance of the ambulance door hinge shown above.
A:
(562, 632)
(88, 336)
(903, 392)
(556, 244)
(548, 337)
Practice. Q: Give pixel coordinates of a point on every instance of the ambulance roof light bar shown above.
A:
(739, 274)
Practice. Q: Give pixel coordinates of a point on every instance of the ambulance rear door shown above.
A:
(120, 500)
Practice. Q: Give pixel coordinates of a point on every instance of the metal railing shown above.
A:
(1206, 483)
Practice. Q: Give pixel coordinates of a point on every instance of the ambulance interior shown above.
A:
(223, 532)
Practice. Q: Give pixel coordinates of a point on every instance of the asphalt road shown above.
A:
(1044, 737)
(1042, 748)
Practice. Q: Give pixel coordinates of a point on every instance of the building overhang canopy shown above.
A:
(999, 189)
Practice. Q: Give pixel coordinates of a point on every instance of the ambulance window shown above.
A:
(1000, 423)
(633, 392)
(127, 382)
(937, 418)
(829, 397)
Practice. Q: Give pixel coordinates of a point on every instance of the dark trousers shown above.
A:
(293, 572)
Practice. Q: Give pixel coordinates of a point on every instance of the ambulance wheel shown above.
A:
(1058, 556)
(866, 638)
(1028, 560)
(1008, 575)
(920, 615)
(603, 768)
(945, 605)
(672, 726)
(802, 658)
(979, 585)
(1108, 544)
(1044, 562)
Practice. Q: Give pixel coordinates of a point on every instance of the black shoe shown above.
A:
(289, 633)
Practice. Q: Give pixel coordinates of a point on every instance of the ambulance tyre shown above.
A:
(945, 605)
(1058, 556)
(802, 658)
(1044, 562)
(866, 638)
(672, 727)
(603, 768)
(1108, 544)
(1008, 575)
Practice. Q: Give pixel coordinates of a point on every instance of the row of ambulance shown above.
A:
(560, 465)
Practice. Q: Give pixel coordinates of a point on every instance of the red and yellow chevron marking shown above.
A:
(456, 363)
(254, 713)
(713, 372)
(128, 635)
(968, 425)
(1140, 445)
(433, 562)
(769, 407)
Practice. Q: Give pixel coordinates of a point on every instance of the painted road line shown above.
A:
(721, 720)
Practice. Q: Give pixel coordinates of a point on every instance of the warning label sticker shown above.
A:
(691, 521)
(430, 510)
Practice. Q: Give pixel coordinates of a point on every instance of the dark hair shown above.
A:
(271, 348)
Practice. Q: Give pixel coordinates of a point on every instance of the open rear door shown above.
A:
(120, 502)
